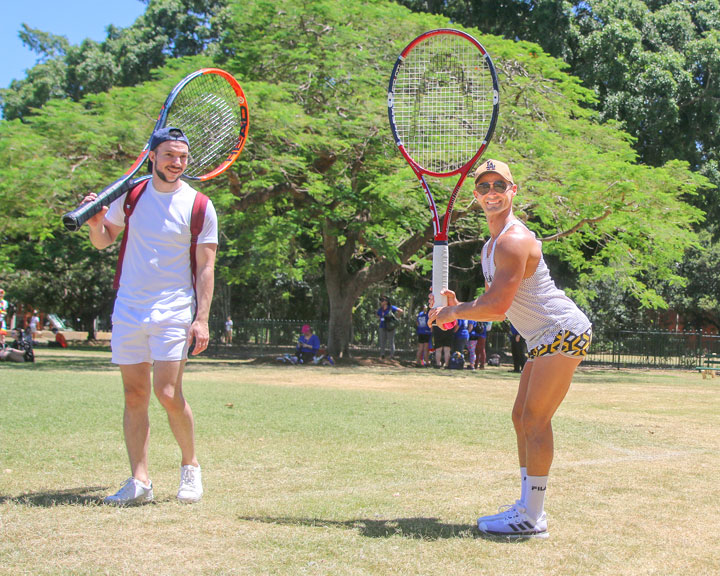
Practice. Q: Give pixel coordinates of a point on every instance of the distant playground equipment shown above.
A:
(56, 322)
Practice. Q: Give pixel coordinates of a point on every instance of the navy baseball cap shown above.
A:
(168, 133)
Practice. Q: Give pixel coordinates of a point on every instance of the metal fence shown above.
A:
(619, 349)
(653, 349)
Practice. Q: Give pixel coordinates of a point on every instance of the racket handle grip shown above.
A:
(441, 264)
(75, 219)
(440, 272)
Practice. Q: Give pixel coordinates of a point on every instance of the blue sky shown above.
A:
(75, 19)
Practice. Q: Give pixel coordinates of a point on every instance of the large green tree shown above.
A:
(700, 299)
(320, 191)
(329, 171)
(653, 65)
(64, 276)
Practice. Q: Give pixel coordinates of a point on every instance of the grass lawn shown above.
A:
(356, 470)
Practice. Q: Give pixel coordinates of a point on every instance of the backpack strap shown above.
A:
(197, 221)
(131, 200)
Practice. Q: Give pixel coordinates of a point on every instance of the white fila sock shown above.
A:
(523, 484)
(535, 497)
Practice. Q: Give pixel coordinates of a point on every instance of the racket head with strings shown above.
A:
(443, 105)
(210, 107)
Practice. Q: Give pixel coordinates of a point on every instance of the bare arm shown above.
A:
(511, 259)
(102, 231)
(204, 287)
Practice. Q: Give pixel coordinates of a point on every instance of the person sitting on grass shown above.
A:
(308, 345)
(21, 350)
(60, 340)
(12, 355)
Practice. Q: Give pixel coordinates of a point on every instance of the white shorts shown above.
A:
(149, 335)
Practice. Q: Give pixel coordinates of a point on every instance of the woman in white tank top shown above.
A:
(519, 287)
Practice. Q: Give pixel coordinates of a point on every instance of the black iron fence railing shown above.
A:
(618, 349)
(654, 349)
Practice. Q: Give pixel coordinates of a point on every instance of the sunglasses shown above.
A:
(499, 186)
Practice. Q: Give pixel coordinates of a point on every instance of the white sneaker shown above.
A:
(190, 484)
(131, 493)
(502, 511)
(514, 523)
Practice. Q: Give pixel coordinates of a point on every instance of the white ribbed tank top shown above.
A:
(539, 310)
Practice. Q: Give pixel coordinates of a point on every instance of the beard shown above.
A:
(165, 178)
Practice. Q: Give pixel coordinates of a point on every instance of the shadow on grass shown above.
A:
(69, 363)
(85, 496)
(416, 528)
(99, 363)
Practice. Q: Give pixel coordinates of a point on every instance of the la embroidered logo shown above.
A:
(490, 165)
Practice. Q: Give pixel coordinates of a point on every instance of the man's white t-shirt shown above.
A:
(156, 271)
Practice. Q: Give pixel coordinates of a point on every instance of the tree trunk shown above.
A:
(344, 288)
(89, 322)
(340, 334)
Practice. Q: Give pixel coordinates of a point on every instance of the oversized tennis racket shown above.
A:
(209, 106)
(443, 104)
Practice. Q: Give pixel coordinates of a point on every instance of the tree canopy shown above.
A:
(320, 196)
(652, 65)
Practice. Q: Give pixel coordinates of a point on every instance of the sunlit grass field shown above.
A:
(356, 470)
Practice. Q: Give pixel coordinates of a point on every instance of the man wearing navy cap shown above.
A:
(158, 313)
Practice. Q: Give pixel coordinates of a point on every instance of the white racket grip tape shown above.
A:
(441, 265)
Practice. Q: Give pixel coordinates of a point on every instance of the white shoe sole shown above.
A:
(541, 535)
(513, 535)
(135, 502)
(189, 500)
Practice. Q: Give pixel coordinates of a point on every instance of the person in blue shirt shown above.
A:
(476, 345)
(462, 335)
(308, 345)
(386, 333)
(423, 331)
(470, 345)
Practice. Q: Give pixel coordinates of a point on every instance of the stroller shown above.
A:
(24, 343)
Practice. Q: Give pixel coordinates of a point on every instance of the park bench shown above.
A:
(709, 366)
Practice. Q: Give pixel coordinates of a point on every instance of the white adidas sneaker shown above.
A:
(514, 523)
(502, 511)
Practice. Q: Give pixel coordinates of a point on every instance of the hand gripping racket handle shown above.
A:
(73, 220)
